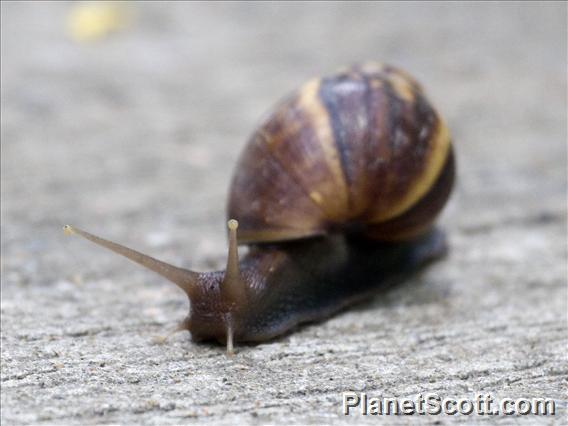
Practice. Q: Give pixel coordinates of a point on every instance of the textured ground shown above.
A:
(134, 136)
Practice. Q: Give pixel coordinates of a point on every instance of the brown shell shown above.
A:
(362, 150)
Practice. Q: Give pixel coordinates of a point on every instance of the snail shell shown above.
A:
(359, 151)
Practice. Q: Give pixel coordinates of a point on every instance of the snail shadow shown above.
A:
(407, 286)
(410, 290)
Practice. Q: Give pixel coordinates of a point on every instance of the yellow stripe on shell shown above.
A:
(311, 104)
(372, 67)
(402, 87)
(422, 184)
(269, 235)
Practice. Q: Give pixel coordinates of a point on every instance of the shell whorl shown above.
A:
(361, 150)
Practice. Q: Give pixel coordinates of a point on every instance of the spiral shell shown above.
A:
(360, 151)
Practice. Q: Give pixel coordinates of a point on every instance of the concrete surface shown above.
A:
(134, 136)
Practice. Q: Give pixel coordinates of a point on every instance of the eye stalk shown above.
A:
(183, 278)
(233, 288)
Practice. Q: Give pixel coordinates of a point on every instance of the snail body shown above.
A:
(336, 194)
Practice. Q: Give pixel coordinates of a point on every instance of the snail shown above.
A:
(335, 194)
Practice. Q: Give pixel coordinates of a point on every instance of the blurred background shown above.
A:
(117, 113)
(127, 118)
